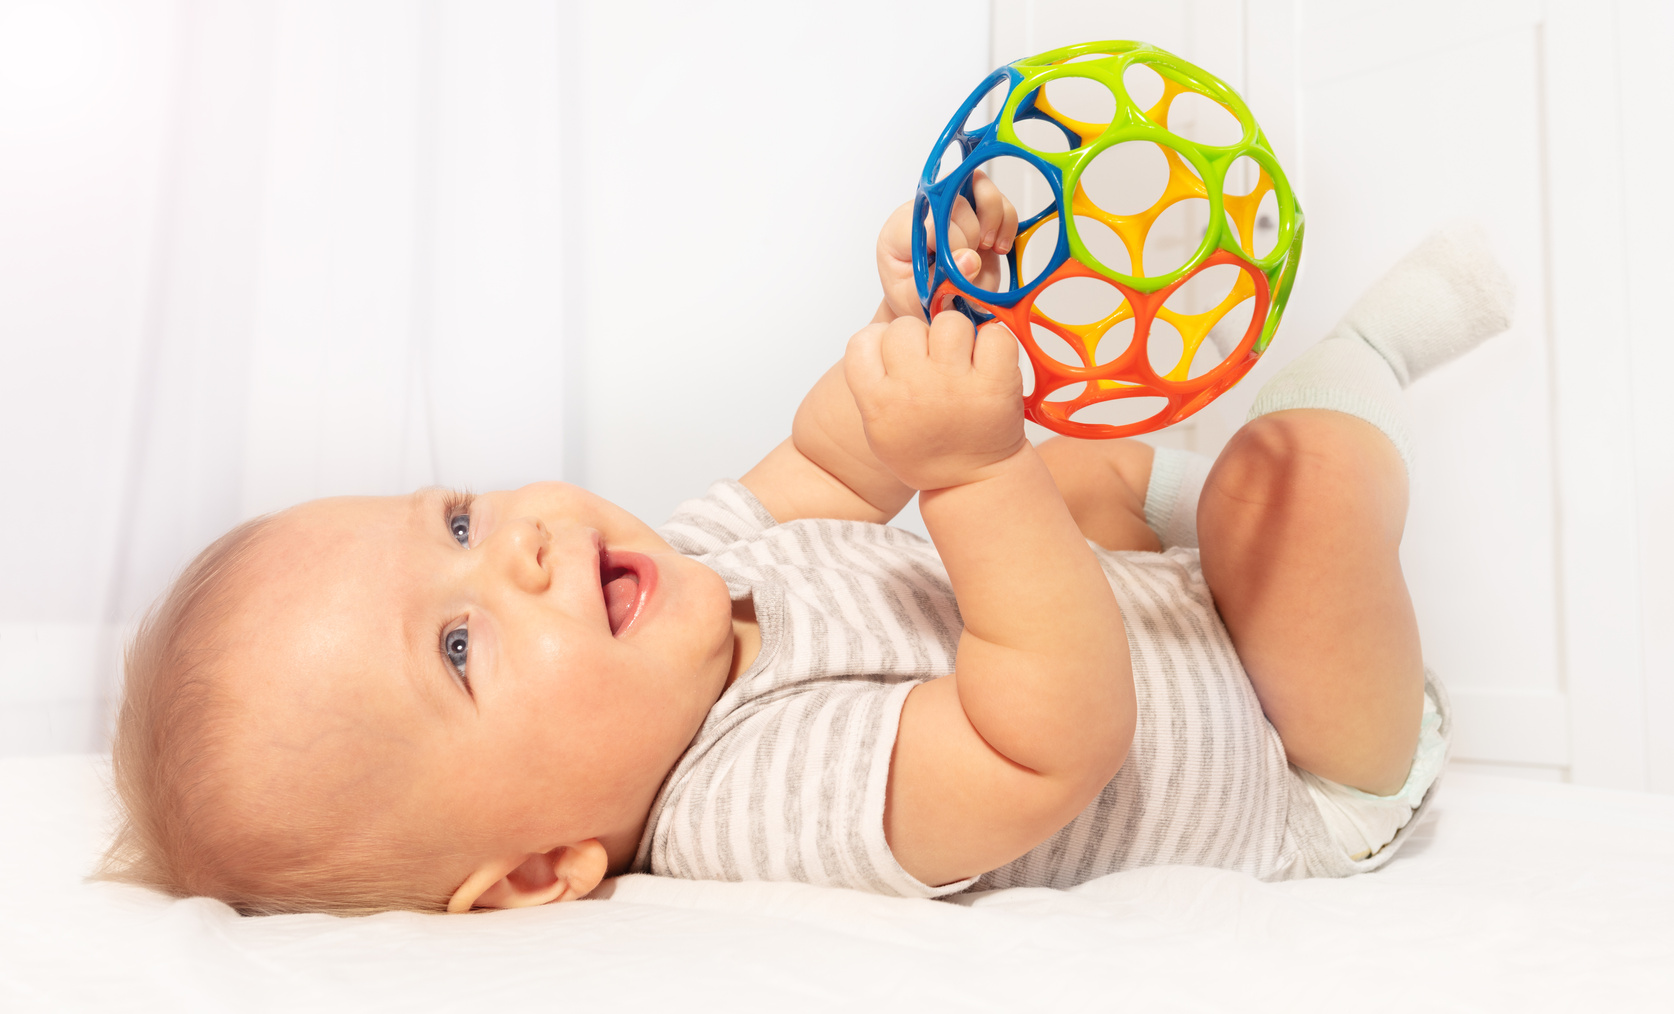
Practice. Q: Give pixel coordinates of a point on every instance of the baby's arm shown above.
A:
(994, 759)
(826, 469)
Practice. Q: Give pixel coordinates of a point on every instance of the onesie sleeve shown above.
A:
(727, 513)
(795, 791)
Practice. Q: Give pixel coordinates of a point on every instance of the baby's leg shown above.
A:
(1300, 519)
(1300, 530)
(1103, 483)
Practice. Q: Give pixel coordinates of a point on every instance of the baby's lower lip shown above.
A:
(644, 571)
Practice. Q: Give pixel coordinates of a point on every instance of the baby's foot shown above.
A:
(1441, 300)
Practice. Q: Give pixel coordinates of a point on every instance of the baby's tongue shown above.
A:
(621, 588)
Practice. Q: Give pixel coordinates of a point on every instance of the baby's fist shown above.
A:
(940, 403)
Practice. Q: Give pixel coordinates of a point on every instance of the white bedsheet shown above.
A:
(1513, 896)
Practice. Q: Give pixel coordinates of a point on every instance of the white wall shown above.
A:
(1644, 29)
(740, 161)
(258, 252)
(84, 100)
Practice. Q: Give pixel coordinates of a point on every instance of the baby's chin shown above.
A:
(719, 613)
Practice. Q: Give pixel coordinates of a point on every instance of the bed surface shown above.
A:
(1512, 896)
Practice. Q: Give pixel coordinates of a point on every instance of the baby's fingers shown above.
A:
(902, 345)
(950, 340)
(895, 263)
(993, 212)
(1008, 230)
(963, 227)
(863, 365)
(996, 352)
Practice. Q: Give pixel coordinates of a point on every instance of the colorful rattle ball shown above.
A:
(1256, 229)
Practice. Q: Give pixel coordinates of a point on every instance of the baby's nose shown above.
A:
(522, 547)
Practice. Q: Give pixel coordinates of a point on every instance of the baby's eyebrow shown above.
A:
(426, 503)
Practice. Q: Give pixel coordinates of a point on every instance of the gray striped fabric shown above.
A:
(786, 779)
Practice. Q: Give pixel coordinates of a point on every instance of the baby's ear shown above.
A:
(538, 878)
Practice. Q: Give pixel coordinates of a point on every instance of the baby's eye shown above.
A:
(456, 511)
(456, 646)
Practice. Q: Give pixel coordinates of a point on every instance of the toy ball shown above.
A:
(1171, 343)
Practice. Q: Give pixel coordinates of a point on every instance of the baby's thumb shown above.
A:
(968, 261)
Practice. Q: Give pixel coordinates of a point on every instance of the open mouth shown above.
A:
(626, 580)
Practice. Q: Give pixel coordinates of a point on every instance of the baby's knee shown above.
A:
(1312, 457)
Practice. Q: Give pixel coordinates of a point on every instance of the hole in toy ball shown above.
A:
(1267, 224)
(1127, 178)
(1055, 346)
(1197, 117)
(1036, 250)
(994, 275)
(1164, 347)
(1204, 290)
(988, 107)
(1120, 411)
(1206, 293)
(952, 155)
(1241, 177)
(1042, 135)
(1078, 301)
(1088, 58)
(1066, 394)
(1175, 236)
(1103, 244)
(1144, 85)
(1113, 343)
(1082, 99)
(1022, 184)
(1223, 339)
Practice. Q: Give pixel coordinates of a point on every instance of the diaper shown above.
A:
(1361, 823)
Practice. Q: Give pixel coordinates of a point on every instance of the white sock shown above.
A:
(1441, 300)
(1171, 498)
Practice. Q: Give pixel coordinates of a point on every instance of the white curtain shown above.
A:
(253, 253)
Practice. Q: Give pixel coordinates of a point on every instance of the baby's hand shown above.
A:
(980, 237)
(939, 403)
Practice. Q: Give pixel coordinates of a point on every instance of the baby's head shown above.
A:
(428, 702)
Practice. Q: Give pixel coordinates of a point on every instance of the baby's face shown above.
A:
(521, 667)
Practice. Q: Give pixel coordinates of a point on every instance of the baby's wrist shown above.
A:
(1019, 459)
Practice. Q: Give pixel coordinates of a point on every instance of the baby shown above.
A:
(1109, 657)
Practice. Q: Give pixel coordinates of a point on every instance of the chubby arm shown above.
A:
(1038, 716)
(826, 469)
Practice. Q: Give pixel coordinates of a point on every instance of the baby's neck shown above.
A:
(622, 846)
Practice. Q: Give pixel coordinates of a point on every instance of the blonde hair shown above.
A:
(187, 826)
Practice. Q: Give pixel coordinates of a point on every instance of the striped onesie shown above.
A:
(786, 779)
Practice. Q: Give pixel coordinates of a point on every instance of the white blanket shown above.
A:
(1513, 896)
